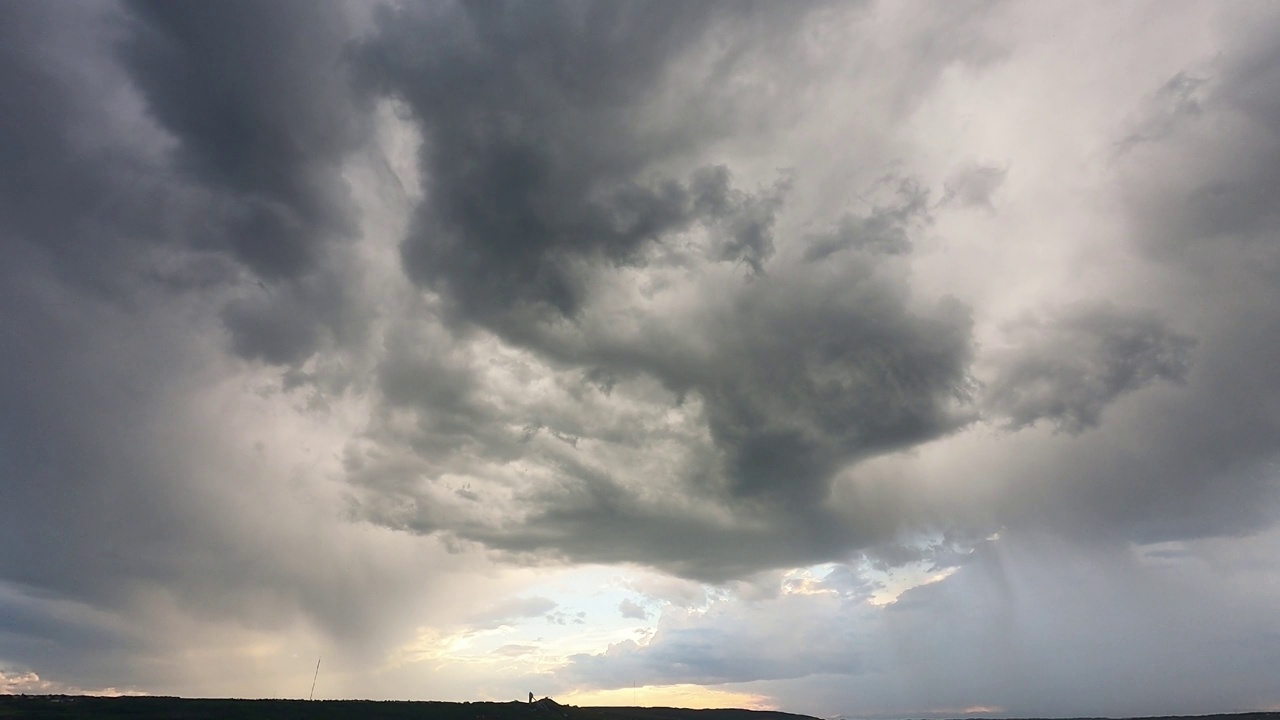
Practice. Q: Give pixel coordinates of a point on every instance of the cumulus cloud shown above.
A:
(332, 325)
(778, 388)
(563, 238)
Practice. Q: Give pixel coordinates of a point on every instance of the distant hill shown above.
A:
(172, 708)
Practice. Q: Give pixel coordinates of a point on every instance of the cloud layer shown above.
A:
(336, 328)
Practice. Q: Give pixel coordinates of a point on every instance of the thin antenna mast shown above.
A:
(313, 679)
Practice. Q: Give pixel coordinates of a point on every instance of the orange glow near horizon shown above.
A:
(695, 697)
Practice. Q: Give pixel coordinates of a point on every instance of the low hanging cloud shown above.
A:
(776, 388)
(1002, 630)
(1068, 368)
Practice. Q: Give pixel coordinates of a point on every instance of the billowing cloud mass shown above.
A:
(1066, 370)
(870, 359)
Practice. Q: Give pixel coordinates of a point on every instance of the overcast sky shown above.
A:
(869, 359)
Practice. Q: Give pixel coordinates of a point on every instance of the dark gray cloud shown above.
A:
(542, 156)
(1196, 459)
(262, 112)
(130, 212)
(1068, 368)
(788, 383)
(134, 522)
(78, 185)
(886, 229)
(259, 103)
(81, 181)
(273, 331)
(1222, 208)
(545, 186)
(811, 376)
(158, 147)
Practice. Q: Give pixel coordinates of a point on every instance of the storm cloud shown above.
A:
(1067, 369)
(868, 343)
(541, 152)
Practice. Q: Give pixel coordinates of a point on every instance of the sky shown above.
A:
(858, 359)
